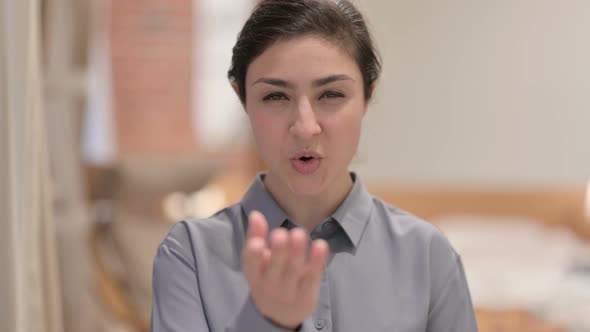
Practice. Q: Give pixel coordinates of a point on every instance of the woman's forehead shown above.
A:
(306, 58)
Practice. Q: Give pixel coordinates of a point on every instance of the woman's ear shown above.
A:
(236, 87)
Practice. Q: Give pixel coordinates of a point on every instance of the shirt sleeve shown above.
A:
(177, 305)
(451, 309)
(250, 320)
(176, 301)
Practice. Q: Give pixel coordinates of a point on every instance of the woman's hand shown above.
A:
(284, 281)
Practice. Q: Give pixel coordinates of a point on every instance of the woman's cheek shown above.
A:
(267, 139)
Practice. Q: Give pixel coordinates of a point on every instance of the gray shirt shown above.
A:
(387, 271)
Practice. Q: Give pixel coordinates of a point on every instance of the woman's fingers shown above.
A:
(279, 255)
(257, 225)
(282, 268)
(294, 269)
(255, 254)
(253, 258)
(318, 256)
(315, 265)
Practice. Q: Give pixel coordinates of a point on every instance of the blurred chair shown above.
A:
(130, 220)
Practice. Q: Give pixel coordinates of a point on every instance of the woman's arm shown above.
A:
(176, 301)
(451, 308)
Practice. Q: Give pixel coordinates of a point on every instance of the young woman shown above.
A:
(308, 248)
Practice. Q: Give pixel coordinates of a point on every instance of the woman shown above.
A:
(305, 71)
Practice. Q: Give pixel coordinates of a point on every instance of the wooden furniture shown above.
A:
(554, 207)
(512, 320)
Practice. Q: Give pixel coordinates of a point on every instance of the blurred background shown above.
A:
(117, 119)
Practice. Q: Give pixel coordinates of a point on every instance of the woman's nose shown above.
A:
(305, 125)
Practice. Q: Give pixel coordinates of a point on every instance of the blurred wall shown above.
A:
(472, 92)
(151, 48)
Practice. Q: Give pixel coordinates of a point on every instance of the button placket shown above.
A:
(323, 315)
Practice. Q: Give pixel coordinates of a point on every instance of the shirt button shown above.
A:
(328, 226)
(320, 324)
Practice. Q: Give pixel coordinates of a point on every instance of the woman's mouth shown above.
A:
(306, 162)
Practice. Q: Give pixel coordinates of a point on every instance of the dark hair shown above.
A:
(274, 20)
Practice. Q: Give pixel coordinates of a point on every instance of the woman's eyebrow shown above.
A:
(319, 82)
(330, 79)
(274, 81)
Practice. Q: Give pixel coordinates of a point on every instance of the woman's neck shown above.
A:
(308, 211)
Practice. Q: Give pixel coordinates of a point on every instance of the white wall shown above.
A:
(476, 92)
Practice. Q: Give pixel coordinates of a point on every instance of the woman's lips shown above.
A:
(306, 154)
(306, 161)
(306, 167)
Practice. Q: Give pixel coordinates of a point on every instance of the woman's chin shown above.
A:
(306, 185)
(305, 191)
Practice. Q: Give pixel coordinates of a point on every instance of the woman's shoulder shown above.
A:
(406, 224)
(421, 239)
(221, 229)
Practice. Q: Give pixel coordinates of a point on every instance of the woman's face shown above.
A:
(305, 101)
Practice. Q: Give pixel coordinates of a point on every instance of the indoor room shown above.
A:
(118, 120)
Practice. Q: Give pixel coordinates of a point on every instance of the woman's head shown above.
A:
(305, 71)
(277, 20)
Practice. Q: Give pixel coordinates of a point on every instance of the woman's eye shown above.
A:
(275, 96)
(332, 94)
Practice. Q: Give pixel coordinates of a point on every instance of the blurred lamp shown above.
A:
(174, 206)
(206, 201)
(200, 204)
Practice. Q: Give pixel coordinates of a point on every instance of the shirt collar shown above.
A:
(257, 198)
(352, 215)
